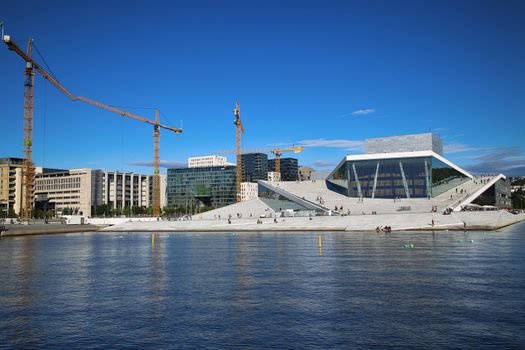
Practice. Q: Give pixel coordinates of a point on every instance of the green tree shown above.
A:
(518, 199)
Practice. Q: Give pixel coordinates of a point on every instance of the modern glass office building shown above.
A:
(422, 174)
(211, 186)
(289, 168)
(254, 167)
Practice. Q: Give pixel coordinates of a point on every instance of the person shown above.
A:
(432, 222)
(229, 221)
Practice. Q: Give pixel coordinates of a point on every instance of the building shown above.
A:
(82, 190)
(273, 176)
(206, 161)
(421, 174)
(202, 186)
(405, 143)
(125, 190)
(305, 173)
(254, 167)
(249, 191)
(10, 186)
(289, 168)
(419, 180)
(75, 189)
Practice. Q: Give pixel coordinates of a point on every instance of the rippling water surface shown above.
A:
(263, 290)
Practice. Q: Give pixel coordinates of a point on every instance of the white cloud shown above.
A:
(324, 163)
(459, 147)
(365, 111)
(351, 145)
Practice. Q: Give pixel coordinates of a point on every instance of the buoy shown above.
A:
(152, 240)
(408, 245)
(319, 241)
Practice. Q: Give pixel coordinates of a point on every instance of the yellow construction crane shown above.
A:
(239, 129)
(276, 151)
(28, 168)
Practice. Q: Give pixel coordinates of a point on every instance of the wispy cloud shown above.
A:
(457, 147)
(364, 111)
(163, 163)
(350, 145)
(506, 160)
(324, 163)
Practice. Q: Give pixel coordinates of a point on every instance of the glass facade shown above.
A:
(498, 195)
(254, 167)
(279, 202)
(210, 186)
(289, 168)
(417, 177)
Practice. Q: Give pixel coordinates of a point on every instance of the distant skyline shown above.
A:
(322, 74)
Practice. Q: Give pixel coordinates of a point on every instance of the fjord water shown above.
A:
(264, 290)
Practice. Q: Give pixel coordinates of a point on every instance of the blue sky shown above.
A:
(323, 74)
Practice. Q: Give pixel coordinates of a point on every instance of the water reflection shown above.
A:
(323, 290)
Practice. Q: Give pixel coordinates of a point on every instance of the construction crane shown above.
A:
(239, 129)
(276, 151)
(28, 168)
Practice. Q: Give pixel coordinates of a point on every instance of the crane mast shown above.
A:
(28, 167)
(239, 129)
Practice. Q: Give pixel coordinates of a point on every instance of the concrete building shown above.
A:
(206, 161)
(11, 198)
(75, 189)
(273, 176)
(289, 168)
(305, 173)
(254, 167)
(405, 143)
(419, 178)
(124, 190)
(249, 191)
(82, 190)
(10, 185)
(202, 186)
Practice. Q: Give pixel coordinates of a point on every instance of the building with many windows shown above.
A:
(408, 169)
(202, 186)
(289, 168)
(421, 174)
(249, 191)
(10, 186)
(206, 161)
(82, 190)
(254, 167)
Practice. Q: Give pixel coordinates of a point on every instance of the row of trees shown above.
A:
(105, 211)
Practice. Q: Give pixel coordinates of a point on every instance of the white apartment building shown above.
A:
(206, 161)
(249, 190)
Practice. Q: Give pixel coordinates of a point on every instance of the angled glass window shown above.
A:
(444, 177)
